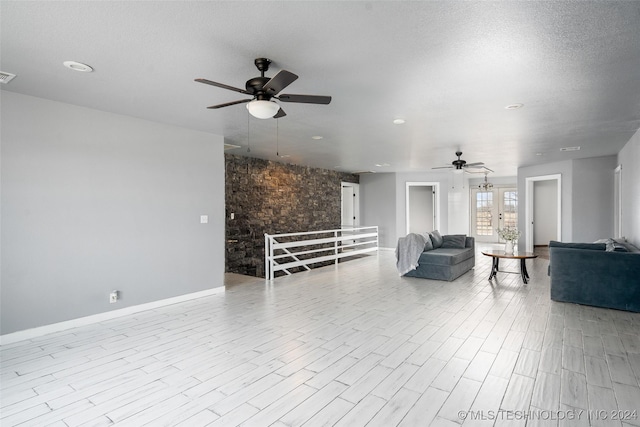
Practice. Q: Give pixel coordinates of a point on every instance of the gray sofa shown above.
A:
(589, 274)
(446, 263)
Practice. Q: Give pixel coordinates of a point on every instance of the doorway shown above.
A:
(350, 205)
(493, 209)
(543, 210)
(422, 207)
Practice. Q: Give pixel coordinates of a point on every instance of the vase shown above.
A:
(508, 247)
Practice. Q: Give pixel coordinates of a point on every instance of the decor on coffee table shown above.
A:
(510, 236)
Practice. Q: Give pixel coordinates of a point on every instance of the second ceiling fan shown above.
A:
(264, 90)
(460, 164)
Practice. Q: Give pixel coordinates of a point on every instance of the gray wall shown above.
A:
(383, 202)
(378, 205)
(629, 158)
(593, 198)
(587, 197)
(401, 198)
(93, 201)
(566, 170)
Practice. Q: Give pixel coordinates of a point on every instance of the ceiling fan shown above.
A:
(460, 164)
(264, 90)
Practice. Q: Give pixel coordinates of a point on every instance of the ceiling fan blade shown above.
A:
(474, 165)
(226, 104)
(223, 86)
(278, 82)
(305, 99)
(279, 114)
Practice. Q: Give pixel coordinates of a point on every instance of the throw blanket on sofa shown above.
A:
(408, 252)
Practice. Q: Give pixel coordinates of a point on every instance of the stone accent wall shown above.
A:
(271, 197)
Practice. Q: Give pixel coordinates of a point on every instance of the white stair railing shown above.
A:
(283, 252)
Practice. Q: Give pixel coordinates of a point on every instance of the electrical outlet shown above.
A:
(113, 297)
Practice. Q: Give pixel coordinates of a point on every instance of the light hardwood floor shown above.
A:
(348, 346)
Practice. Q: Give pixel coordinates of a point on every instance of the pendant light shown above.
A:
(486, 185)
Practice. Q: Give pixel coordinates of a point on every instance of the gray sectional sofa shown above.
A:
(448, 262)
(589, 274)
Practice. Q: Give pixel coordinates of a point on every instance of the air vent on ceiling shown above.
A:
(570, 149)
(6, 77)
(230, 147)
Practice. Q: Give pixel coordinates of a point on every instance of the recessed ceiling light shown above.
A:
(539, 154)
(284, 156)
(78, 66)
(317, 137)
(398, 122)
(570, 149)
(513, 106)
(382, 165)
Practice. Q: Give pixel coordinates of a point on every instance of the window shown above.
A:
(510, 210)
(484, 217)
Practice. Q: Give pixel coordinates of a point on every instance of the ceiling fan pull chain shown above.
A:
(248, 134)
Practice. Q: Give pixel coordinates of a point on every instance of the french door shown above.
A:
(492, 209)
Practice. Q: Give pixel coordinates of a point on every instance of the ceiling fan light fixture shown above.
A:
(261, 109)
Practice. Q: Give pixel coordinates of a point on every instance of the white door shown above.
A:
(350, 204)
(493, 209)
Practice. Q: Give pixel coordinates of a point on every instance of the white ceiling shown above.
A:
(447, 68)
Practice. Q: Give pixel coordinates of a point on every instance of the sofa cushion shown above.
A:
(454, 241)
(436, 239)
(445, 256)
(629, 247)
(592, 246)
(428, 245)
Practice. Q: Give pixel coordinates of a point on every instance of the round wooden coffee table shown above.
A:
(522, 256)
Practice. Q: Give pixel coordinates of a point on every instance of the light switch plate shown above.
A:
(204, 219)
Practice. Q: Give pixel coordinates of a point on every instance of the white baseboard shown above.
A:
(101, 317)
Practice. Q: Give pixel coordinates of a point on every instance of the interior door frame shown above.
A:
(530, 203)
(436, 202)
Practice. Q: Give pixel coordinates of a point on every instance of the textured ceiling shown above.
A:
(447, 68)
